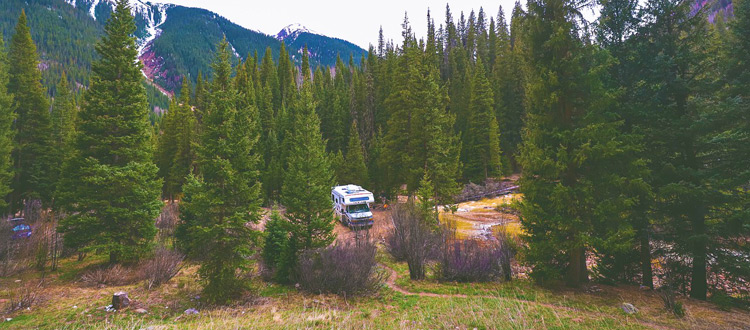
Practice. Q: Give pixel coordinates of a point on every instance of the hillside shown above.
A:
(173, 40)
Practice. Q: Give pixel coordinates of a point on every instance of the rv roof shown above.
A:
(348, 189)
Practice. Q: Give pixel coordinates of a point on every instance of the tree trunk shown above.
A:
(699, 282)
(114, 257)
(577, 272)
(647, 276)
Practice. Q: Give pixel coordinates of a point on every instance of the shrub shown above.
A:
(167, 220)
(412, 238)
(276, 238)
(347, 269)
(107, 276)
(668, 296)
(475, 261)
(722, 300)
(25, 296)
(162, 267)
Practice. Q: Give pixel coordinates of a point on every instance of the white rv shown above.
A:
(351, 204)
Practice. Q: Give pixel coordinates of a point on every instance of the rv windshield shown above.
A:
(357, 208)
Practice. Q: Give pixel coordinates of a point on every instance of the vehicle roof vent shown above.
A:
(353, 188)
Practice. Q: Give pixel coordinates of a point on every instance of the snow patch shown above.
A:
(92, 10)
(139, 8)
(292, 31)
(234, 51)
(146, 10)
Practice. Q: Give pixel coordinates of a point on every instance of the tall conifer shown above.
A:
(225, 196)
(354, 169)
(32, 145)
(307, 183)
(481, 148)
(6, 132)
(110, 188)
(579, 171)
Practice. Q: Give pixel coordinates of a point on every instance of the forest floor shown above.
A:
(65, 302)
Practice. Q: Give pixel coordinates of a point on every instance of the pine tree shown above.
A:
(579, 170)
(441, 145)
(166, 148)
(226, 195)
(307, 183)
(616, 32)
(64, 114)
(276, 239)
(6, 132)
(63, 117)
(738, 76)
(287, 86)
(399, 154)
(354, 169)
(182, 163)
(508, 83)
(273, 174)
(33, 162)
(482, 140)
(673, 49)
(306, 64)
(200, 98)
(270, 78)
(110, 187)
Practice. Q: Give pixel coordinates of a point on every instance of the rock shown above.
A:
(120, 300)
(629, 308)
(141, 311)
(191, 311)
(593, 289)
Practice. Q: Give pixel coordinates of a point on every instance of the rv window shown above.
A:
(358, 208)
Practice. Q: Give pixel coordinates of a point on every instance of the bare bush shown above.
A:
(669, 298)
(162, 267)
(347, 269)
(167, 220)
(108, 276)
(475, 260)
(412, 238)
(25, 296)
(20, 253)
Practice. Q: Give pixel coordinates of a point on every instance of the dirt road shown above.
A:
(380, 228)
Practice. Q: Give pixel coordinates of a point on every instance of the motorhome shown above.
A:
(351, 204)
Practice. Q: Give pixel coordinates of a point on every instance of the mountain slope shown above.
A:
(173, 40)
(322, 49)
(188, 40)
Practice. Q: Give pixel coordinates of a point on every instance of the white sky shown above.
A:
(354, 21)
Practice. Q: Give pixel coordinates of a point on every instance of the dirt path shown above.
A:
(380, 228)
(391, 283)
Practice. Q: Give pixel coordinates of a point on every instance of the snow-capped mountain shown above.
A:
(293, 31)
(148, 16)
(173, 41)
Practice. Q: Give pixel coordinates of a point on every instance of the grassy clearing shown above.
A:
(68, 304)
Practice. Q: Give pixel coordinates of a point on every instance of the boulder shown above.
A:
(141, 311)
(120, 300)
(629, 308)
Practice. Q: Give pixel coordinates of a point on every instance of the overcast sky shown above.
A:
(354, 21)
